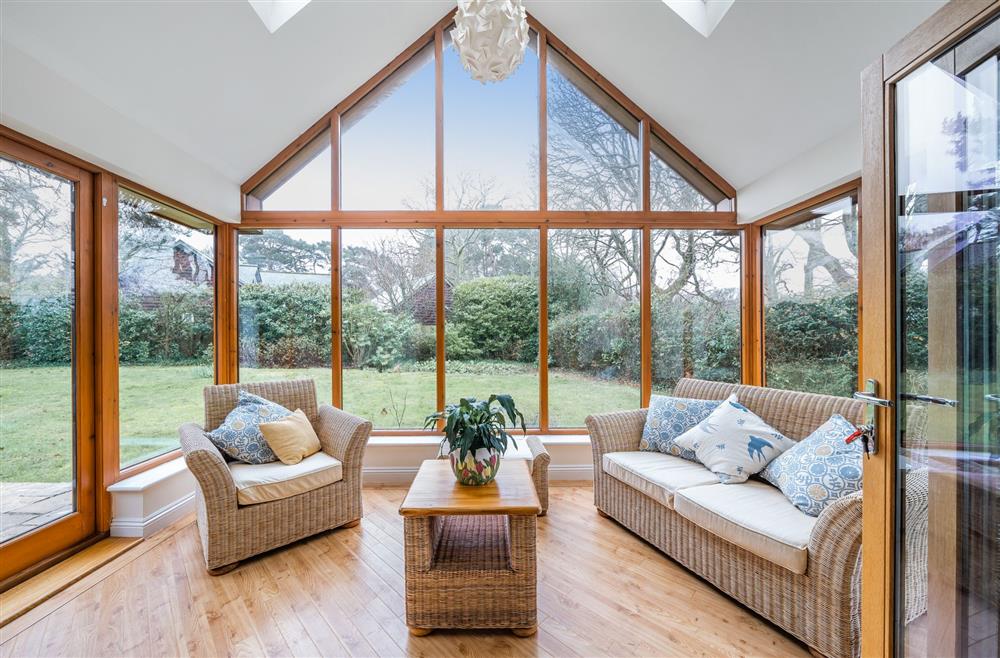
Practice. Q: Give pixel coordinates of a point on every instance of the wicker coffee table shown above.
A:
(470, 551)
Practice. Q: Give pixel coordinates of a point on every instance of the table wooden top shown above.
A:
(436, 492)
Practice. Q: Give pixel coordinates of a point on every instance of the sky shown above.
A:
(387, 158)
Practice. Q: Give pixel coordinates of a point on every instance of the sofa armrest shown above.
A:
(208, 466)
(835, 548)
(343, 435)
(615, 432)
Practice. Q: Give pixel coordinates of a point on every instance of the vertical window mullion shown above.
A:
(646, 315)
(336, 320)
(543, 329)
(439, 119)
(439, 313)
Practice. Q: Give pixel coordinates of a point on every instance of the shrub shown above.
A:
(495, 318)
(285, 324)
(43, 331)
(602, 342)
(373, 338)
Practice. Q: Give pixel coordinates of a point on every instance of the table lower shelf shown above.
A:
(471, 571)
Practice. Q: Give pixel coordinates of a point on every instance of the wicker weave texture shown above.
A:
(231, 532)
(820, 607)
(292, 394)
(470, 572)
(792, 413)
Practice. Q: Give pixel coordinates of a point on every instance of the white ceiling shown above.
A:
(207, 82)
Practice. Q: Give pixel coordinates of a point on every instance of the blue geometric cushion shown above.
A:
(240, 437)
(670, 417)
(820, 468)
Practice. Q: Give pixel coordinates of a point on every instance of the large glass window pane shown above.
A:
(284, 306)
(387, 142)
(811, 299)
(166, 284)
(593, 144)
(37, 305)
(676, 185)
(491, 136)
(303, 182)
(947, 443)
(389, 320)
(594, 322)
(696, 306)
(491, 334)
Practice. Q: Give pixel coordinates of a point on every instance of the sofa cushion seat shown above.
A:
(656, 474)
(260, 483)
(754, 516)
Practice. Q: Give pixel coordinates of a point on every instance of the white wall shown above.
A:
(59, 112)
(829, 164)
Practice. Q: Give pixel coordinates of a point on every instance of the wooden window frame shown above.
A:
(542, 219)
(755, 349)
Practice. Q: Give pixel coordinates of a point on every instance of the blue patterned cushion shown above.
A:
(820, 468)
(670, 417)
(239, 435)
(734, 442)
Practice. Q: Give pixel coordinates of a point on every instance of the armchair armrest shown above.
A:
(207, 465)
(615, 432)
(343, 435)
(538, 465)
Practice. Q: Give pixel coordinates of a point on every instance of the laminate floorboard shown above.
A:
(602, 591)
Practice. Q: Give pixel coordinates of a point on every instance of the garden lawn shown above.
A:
(35, 406)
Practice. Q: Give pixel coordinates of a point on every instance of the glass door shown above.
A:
(947, 491)
(46, 373)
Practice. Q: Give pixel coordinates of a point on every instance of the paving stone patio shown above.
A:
(25, 506)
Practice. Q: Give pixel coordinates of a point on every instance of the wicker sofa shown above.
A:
(232, 530)
(800, 572)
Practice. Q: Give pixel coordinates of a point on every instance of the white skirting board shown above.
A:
(148, 502)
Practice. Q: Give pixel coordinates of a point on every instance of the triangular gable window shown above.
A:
(303, 182)
(593, 144)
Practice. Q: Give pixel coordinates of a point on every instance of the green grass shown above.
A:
(35, 406)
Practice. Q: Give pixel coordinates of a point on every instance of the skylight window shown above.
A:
(702, 15)
(275, 13)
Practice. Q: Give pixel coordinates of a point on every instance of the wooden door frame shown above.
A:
(937, 34)
(58, 536)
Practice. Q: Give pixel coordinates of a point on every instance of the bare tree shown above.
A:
(35, 227)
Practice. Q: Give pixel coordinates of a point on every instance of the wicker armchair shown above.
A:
(231, 532)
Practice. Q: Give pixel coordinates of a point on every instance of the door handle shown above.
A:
(929, 399)
(870, 398)
(870, 429)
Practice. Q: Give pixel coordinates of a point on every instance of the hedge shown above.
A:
(810, 345)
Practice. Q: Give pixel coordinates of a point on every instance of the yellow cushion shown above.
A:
(292, 438)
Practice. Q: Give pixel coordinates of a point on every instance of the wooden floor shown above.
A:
(601, 591)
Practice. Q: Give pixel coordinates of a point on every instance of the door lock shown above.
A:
(868, 432)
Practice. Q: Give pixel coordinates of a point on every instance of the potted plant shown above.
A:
(475, 432)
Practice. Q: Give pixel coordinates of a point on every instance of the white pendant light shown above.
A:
(490, 37)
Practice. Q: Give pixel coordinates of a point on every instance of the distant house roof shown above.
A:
(145, 273)
(425, 301)
(256, 274)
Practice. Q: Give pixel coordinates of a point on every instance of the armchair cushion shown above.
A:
(260, 483)
(755, 516)
(292, 438)
(239, 435)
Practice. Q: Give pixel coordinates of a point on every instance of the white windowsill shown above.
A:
(426, 440)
